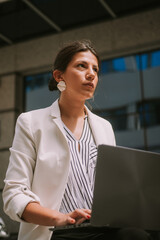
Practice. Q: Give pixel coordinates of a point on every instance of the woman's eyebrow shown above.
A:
(82, 61)
(95, 66)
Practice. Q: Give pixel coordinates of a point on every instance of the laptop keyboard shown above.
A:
(73, 226)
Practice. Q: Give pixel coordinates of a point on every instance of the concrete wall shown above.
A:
(132, 34)
(120, 36)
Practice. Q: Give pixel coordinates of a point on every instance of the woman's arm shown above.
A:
(35, 213)
(17, 190)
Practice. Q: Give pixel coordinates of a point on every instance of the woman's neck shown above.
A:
(71, 108)
(72, 115)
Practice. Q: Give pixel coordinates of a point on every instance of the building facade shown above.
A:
(125, 92)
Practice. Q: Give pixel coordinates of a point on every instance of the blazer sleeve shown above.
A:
(17, 190)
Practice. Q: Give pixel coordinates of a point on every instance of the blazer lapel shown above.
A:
(97, 129)
(96, 126)
(56, 117)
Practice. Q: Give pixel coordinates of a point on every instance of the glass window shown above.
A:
(128, 95)
(119, 64)
(37, 94)
(149, 113)
(155, 59)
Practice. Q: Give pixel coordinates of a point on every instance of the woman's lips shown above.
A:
(90, 85)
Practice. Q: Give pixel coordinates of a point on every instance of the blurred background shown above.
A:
(127, 36)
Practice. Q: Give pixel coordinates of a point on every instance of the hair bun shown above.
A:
(52, 85)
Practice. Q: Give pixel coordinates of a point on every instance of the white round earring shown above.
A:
(61, 86)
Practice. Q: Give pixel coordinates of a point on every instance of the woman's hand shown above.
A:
(79, 215)
(35, 213)
(76, 217)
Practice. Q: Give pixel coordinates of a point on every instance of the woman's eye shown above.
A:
(81, 65)
(95, 69)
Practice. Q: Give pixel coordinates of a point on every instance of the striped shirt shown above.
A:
(79, 189)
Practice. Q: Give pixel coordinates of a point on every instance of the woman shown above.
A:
(50, 178)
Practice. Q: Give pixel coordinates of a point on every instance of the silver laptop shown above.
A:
(127, 189)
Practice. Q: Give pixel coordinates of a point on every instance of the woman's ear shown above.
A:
(57, 75)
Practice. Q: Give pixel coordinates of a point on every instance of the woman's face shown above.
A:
(81, 76)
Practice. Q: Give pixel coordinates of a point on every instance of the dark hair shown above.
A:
(66, 54)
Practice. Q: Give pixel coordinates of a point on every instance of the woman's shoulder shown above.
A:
(39, 113)
(37, 116)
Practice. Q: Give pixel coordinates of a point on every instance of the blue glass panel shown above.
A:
(144, 59)
(37, 81)
(103, 69)
(119, 64)
(155, 59)
(138, 61)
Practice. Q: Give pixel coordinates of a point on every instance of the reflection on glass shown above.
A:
(128, 95)
(37, 94)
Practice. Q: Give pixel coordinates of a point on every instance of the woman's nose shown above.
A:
(90, 76)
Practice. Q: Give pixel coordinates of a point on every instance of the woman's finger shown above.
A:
(79, 221)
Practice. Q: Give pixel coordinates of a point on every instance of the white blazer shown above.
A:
(39, 164)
